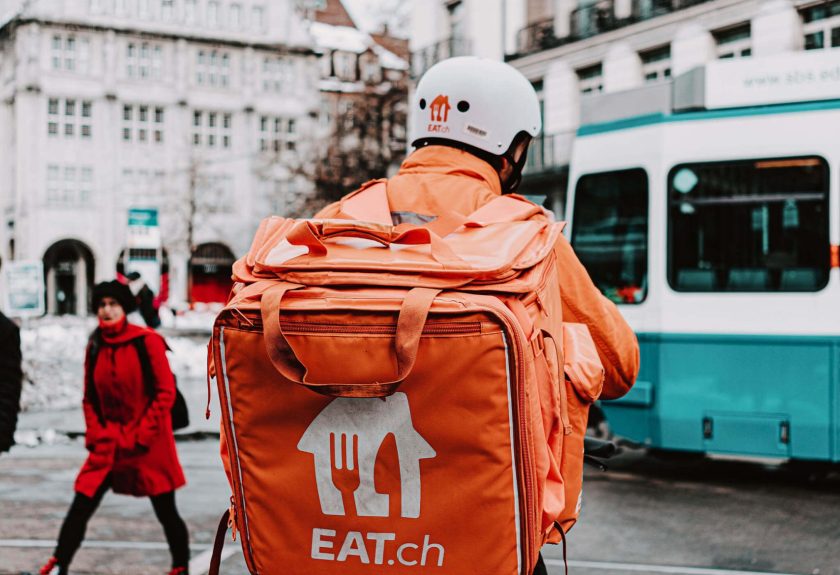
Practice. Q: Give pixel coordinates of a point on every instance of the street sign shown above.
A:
(144, 245)
(24, 293)
(143, 217)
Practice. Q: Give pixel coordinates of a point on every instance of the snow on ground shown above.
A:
(53, 351)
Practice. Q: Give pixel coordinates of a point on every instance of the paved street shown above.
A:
(643, 516)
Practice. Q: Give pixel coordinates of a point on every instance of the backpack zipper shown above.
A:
(523, 434)
(453, 328)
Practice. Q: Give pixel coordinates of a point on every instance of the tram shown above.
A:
(708, 208)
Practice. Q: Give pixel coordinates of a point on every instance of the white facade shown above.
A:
(653, 49)
(445, 28)
(569, 48)
(111, 104)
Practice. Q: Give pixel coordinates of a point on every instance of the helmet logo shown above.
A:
(439, 114)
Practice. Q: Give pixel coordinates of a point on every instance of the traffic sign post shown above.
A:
(144, 253)
(24, 293)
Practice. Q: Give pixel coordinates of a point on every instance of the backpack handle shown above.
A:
(410, 324)
(310, 234)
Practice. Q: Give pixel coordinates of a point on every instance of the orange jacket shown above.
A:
(439, 179)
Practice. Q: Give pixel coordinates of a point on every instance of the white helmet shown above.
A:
(476, 102)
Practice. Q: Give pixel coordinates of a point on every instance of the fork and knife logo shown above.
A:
(345, 439)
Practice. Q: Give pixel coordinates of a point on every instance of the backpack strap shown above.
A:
(94, 342)
(219, 544)
(139, 344)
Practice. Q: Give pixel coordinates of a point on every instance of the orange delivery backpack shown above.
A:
(405, 398)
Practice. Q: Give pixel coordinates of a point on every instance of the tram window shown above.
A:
(749, 226)
(611, 230)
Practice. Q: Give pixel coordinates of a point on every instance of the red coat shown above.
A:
(135, 445)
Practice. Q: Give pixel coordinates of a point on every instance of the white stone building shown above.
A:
(570, 49)
(199, 108)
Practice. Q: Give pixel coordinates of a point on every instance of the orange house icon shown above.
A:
(440, 109)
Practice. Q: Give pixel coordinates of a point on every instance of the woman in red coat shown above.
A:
(129, 429)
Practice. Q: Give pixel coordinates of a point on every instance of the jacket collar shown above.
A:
(451, 161)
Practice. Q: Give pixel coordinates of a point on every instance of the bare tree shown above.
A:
(366, 141)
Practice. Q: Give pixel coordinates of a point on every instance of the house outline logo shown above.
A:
(440, 109)
(365, 422)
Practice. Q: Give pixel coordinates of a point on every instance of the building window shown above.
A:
(69, 186)
(144, 60)
(457, 23)
(235, 16)
(140, 186)
(166, 10)
(70, 53)
(821, 25)
(590, 79)
(258, 18)
(370, 69)
(735, 42)
(275, 71)
(610, 234)
(69, 117)
(656, 64)
(212, 13)
(212, 68)
(142, 123)
(278, 134)
(212, 129)
(749, 226)
(190, 11)
(345, 65)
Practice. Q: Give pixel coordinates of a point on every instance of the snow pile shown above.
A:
(348, 39)
(53, 351)
(341, 38)
(200, 318)
(188, 358)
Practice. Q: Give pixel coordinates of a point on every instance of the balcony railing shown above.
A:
(548, 152)
(538, 36)
(593, 19)
(425, 58)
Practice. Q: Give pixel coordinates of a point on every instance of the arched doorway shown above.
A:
(210, 270)
(69, 272)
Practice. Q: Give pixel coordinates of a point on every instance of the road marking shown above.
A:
(200, 564)
(667, 569)
(50, 544)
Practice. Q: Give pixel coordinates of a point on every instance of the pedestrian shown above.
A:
(127, 404)
(145, 299)
(473, 120)
(11, 378)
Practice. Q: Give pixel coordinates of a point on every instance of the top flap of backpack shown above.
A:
(502, 238)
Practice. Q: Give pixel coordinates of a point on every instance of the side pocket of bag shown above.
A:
(582, 366)
(556, 423)
(583, 381)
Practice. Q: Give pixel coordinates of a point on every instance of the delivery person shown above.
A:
(473, 120)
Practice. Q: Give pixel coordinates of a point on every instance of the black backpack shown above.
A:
(179, 412)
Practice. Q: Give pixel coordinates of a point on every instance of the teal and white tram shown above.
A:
(709, 209)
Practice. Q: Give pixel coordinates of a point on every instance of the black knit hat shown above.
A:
(116, 290)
